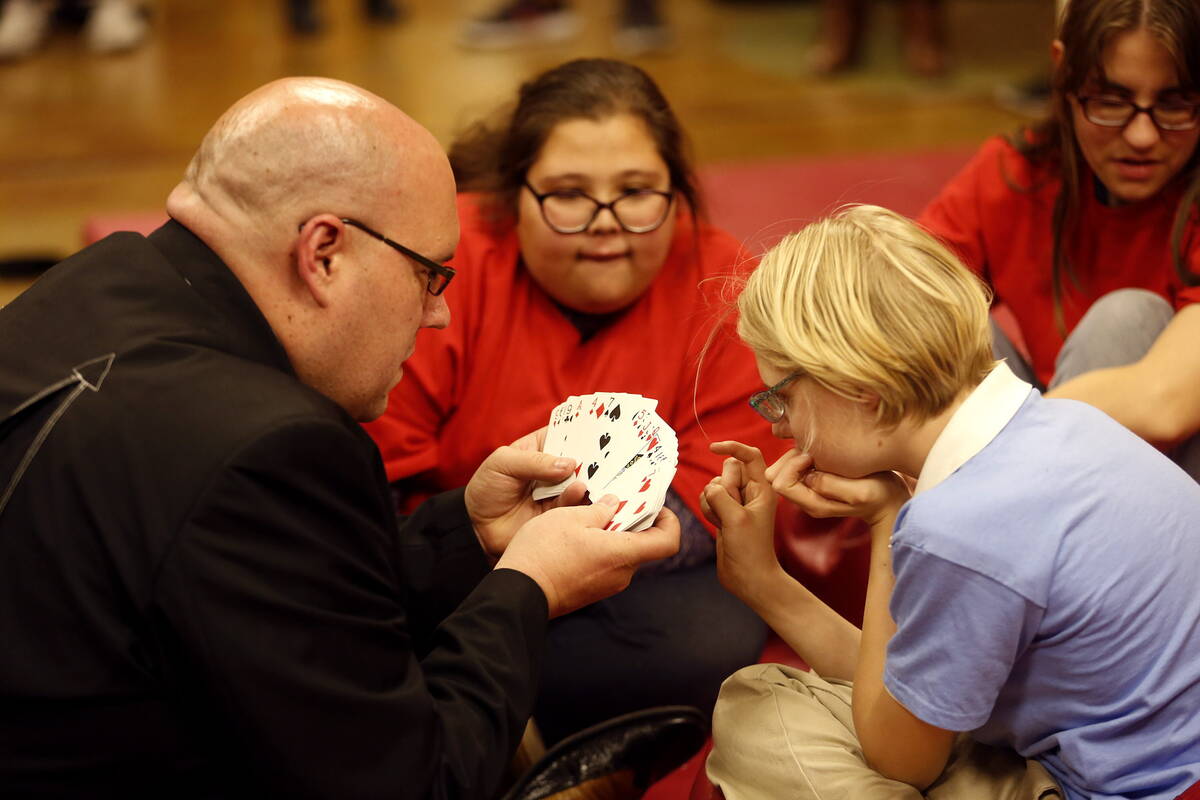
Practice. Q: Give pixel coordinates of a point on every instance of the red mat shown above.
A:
(760, 203)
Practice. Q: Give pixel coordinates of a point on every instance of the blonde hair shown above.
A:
(867, 301)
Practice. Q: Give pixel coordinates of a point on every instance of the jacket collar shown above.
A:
(239, 323)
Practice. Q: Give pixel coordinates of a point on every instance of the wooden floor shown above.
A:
(81, 134)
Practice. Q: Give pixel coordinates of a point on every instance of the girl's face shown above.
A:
(839, 434)
(1136, 161)
(603, 268)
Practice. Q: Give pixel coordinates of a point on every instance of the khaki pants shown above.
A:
(783, 734)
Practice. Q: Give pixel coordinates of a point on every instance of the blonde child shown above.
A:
(1032, 628)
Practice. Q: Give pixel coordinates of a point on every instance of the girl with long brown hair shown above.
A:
(1086, 225)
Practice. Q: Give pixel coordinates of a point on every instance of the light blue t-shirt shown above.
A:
(1047, 598)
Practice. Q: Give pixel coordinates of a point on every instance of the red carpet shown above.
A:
(760, 203)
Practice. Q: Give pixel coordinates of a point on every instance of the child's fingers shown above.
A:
(733, 478)
(789, 468)
(705, 508)
(813, 502)
(751, 458)
(727, 510)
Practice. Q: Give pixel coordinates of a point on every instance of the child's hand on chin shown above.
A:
(824, 494)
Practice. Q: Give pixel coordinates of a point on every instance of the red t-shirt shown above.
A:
(510, 355)
(1004, 234)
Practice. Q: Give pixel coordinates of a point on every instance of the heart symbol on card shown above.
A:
(645, 486)
(604, 440)
(652, 443)
(639, 508)
(592, 469)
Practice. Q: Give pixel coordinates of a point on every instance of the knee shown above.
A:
(1126, 309)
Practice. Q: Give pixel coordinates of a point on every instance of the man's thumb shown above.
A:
(603, 510)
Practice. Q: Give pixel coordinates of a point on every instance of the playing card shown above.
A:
(623, 448)
(562, 426)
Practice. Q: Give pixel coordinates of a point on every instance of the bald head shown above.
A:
(268, 191)
(299, 146)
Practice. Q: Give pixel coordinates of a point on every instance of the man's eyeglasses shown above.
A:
(572, 211)
(1117, 112)
(769, 405)
(439, 274)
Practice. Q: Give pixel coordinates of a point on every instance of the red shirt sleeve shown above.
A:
(955, 216)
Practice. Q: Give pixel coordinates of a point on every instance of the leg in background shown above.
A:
(670, 638)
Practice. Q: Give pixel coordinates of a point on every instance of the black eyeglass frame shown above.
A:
(1135, 109)
(768, 404)
(439, 274)
(611, 206)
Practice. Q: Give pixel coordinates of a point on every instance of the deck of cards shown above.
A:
(623, 448)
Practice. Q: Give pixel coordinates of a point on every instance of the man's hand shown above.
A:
(873, 498)
(576, 562)
(498, 496)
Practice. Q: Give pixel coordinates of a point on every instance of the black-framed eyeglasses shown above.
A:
(1117, 112)
(769, 405)
(439, 274)
(572, 211)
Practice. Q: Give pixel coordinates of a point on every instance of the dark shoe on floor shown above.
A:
(303, 17)
(386, 11)
(617, 759)
(519, 23)
(642, 30)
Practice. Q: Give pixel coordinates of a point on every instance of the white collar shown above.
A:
(984, 413)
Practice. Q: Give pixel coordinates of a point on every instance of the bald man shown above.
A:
(203, 590)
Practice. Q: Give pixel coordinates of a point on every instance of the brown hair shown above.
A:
(493, 156)
(1086, 28)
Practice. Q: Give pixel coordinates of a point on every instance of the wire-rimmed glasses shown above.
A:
(769, 405)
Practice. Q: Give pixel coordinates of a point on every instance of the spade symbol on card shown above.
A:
(604, 440)
(592, 469)
(615, 414)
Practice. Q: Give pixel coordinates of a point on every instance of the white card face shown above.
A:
(623, 448)
(563, 423)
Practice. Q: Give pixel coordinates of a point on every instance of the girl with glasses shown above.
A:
(1032, 628)
(583, 267)
(1085, 225)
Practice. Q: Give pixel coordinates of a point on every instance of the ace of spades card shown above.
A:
(622, 447)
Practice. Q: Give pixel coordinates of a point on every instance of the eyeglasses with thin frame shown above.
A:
(573, 211)
(439, 274)
(1117, 112)
(769, 405)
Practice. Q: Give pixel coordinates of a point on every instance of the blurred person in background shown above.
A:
(1085, 224)
(520, 23)
(844, 23)
(109, 26)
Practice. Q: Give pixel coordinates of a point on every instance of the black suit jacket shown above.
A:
(203, 590)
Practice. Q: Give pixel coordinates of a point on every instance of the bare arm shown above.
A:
(1158, 397)
(895, 743)
(741, 505)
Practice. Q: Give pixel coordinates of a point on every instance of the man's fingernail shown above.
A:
(608, 500)
(562, 463)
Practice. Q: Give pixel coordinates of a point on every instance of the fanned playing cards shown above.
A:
(623, 448)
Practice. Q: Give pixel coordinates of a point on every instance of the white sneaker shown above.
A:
(518, 24)
(23, 27)
(115, 26)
